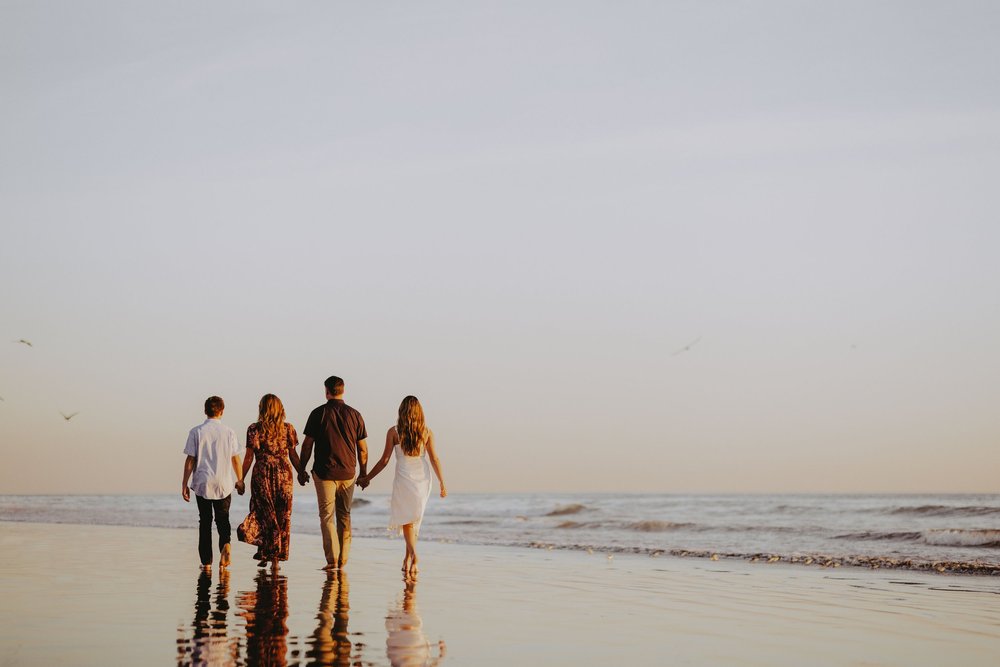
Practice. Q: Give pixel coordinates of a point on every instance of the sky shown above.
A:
(521, 213)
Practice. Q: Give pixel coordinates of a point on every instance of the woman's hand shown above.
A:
(444, 492)
(363, 482)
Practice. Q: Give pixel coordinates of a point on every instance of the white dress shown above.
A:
(410, 489)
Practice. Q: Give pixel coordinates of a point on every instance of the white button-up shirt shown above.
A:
(213, 444)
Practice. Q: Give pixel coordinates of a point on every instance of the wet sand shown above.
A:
(99, 595)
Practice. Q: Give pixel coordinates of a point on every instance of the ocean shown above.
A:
(956, 533)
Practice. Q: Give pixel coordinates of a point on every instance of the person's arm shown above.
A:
(188, 469)
(244, 470)
(307, 448)
(390, 440)
(293, 441)
(238, 469)
(362, 457)
(435, 462)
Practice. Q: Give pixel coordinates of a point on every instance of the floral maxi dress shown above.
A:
(269, 523)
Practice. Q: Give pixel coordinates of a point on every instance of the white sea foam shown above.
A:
(956, 537)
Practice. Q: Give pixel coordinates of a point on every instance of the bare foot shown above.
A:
(226, 557)
(330, 567)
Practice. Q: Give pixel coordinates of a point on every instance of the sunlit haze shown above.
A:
(630, 246)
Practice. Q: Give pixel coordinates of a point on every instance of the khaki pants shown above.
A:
(334, 498)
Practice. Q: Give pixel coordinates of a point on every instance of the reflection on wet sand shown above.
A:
(331, 644)
(209, 643)
(265, 613)
(407, 644)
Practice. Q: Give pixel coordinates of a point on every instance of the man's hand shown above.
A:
(241, 487)
(363, 482)
(303, 478)
(185, 493)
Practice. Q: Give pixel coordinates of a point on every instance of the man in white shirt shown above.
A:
(214, 469)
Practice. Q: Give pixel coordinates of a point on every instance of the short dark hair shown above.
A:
(334, 385)
(214, 405)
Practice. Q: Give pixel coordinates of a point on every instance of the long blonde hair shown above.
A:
(272, 418)
(410, 427)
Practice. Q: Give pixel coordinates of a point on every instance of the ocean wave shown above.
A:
(870, 535)
(974, 567)
(947, 510)
(648, 526)
(652, 526)
(956, 537)
(564, 510)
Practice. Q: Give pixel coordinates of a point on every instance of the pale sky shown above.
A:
(518, 212)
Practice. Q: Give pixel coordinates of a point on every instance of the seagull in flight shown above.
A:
(24, 341)
(686, 348)
(69, 416)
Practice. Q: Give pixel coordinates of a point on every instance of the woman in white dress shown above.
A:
(413, 444)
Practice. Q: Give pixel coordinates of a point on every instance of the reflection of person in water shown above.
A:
(407, 644)
(210, 643)
(331, 645)
(265, 612)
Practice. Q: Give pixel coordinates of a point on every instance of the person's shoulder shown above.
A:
(391, 432)
(352, 411)
(225, 428)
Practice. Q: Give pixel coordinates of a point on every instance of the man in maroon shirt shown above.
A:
(338, 432)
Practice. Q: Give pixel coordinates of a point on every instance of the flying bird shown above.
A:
(686, 348)
(67, 417)
(25, 342)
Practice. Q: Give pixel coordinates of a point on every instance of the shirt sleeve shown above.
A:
(362, 432)
(191, 446)
(252, 437)
(313, 424)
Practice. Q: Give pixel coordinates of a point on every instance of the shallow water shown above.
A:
(957, 532)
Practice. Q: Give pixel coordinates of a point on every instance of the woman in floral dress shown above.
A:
(272, 443)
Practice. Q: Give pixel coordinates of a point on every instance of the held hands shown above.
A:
(241, 487)
(303, 478)
(363, 482)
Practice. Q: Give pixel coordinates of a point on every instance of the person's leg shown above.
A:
(410, 560)
(204, 530)
(221, 508)
(345, 496)
(325, 497)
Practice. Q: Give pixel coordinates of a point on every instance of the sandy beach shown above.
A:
(98, 595)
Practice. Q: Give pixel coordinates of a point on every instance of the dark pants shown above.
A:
(205, 509)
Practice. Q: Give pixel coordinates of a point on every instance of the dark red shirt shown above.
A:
(336, 428)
